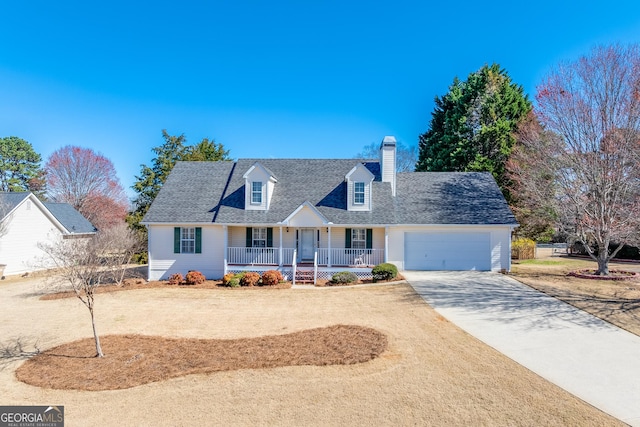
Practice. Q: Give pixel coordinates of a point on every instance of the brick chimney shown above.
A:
(388, 161)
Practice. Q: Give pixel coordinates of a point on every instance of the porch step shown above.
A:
(304, 276)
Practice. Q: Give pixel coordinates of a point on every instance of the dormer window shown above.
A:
(358, 193)
(256, 192)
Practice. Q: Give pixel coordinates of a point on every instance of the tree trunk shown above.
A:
(603, 263)
(95, 335)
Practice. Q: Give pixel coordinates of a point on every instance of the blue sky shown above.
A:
(294, 79)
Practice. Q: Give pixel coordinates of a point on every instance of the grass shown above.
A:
(431, 372)
(135, 360)
(617, 302)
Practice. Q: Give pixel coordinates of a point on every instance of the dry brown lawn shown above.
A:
(617, 302)
(431, 373)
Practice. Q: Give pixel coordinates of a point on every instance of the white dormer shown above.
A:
(359, 188)
(259, 183)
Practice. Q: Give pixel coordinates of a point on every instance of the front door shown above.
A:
(306, 244)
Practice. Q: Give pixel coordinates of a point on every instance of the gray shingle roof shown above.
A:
(9, 200)
(70, 218)
(206, 192)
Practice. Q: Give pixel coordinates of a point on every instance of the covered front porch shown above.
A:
(304, 251)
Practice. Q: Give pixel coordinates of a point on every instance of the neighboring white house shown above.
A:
(325, 215)
(25, 222)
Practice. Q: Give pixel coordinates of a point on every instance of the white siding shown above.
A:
(163, 262)
(27, 226)
(499, 250)
(388, 164)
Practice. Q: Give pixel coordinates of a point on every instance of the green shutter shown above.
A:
(347, 238)
(369, 238)
(249, 240)
(198, 240)
(176, 240)
(269, 237)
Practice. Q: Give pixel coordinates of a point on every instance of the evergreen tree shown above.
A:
(472, 126)
(151, 178)
(19, 166)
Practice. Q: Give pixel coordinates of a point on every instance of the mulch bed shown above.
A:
(132, 284)
(133, 360)
(613, 275)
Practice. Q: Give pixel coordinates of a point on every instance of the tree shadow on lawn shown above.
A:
(133, 360)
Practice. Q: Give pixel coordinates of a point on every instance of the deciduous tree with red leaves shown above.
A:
(88, 181)
(583, 161)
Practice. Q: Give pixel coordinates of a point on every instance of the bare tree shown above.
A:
(84, 264)
(589, 144)
(406, 156)
(88, 182)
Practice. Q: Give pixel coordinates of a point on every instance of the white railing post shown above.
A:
(315, 267)
(280, 250)
(293, 266)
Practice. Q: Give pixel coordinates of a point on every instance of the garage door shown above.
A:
(447, 251)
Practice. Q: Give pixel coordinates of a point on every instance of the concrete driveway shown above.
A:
(590, 358)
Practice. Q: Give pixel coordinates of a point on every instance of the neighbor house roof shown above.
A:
(64, 213)
(70, 218)
(213, 192)
(9, 201)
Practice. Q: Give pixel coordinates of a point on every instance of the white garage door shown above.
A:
(447, 251)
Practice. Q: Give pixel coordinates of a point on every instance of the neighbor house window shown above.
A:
(256, 192)
(358, 238)
(358, 193)
(259, 238)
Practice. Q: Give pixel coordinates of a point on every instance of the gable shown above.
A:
(306, 215)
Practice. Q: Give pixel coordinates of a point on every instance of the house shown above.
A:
(325, 215)
(25, 222)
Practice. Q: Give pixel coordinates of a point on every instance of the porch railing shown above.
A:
(255, 256)
(348, 257)
(339, 256)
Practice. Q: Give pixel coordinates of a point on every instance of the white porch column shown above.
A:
(386, 244)
(329, 247)
(226, 247)
(280, 251)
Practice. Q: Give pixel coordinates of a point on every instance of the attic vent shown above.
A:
(28, 205)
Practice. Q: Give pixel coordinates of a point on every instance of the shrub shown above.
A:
(194, 278)
(271, 277)
(523, 248)
(344, 277)
(175, 279)
(234, 282)
(227, 278)
(384, 271)
(250, 279)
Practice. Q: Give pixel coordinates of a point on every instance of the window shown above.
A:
(259, 239)
(187, 240)
(358, 193)
(256, 192)
(358, 238)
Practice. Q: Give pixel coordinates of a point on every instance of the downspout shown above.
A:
(386, 243)
(225, 228)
